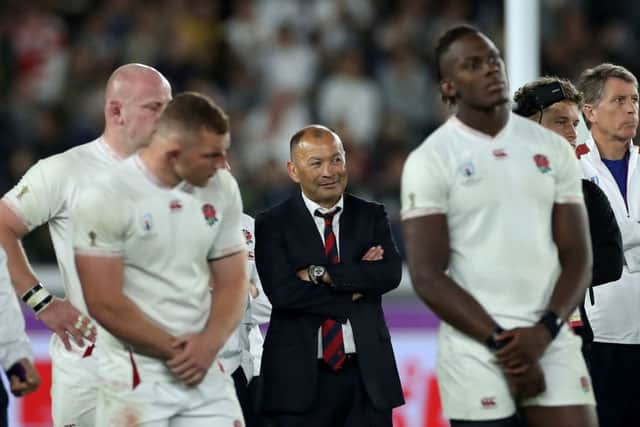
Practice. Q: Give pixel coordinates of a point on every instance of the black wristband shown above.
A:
(495, 344)
(551, 322)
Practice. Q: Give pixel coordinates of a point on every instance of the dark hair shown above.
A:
(192, 111)
(446, 39)
(532, 97)
(444, 42)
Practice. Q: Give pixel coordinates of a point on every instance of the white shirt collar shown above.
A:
(313, 206)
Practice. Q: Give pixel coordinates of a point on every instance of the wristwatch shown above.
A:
(316, 272)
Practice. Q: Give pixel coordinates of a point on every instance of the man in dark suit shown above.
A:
(325, 259)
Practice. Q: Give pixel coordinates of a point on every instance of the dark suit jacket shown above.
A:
(606, 244)
(288, 240)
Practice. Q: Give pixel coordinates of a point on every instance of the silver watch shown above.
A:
(316, 272)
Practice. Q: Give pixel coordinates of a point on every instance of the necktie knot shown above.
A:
(328, 216)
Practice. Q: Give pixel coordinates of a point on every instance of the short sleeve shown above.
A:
(39, 195)
(229, 239)
(568, 174)
(99, 222)
(425, 189)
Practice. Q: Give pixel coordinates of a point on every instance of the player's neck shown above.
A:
(489, 121)
(117, 145)
(156, 163)
(610, 147)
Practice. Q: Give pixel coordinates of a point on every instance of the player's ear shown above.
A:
(293, 172)
(448, 89)
(114, 112)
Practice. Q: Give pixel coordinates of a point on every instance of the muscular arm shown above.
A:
(102, 281)
(60, 316)
(230, 290)
(571, 235)
(12, 230)
(427, 250)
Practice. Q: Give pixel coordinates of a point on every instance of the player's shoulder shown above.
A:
(528, 131)
(71, 159)
(437, 147)
(222, 182)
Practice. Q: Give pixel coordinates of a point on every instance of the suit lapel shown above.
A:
(305, 226)
(347, 226)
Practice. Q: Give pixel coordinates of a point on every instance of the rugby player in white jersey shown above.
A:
(135, 96)
(497, 245)
(242, 353)
(150, 235)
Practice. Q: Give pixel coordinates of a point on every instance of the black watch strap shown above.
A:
(552, 322)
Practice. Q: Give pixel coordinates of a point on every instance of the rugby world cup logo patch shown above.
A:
(209, 213)
(542, 163)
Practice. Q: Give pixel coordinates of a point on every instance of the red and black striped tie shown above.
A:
(332, 340)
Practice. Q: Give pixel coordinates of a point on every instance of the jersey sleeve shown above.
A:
(40, 193)
(229, 239)
(14, 343)
(425, 188)
(98, 230)
(568, 174)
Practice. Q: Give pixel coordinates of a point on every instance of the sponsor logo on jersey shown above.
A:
(499, 153)
(488, 402)
(147, 222)
(209, 213)
(175, 205)
(467, 169)
(542, 163)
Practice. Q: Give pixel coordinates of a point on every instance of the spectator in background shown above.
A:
(348, 99)
(556, 103)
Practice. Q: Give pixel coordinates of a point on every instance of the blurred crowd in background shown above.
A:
(362, 67)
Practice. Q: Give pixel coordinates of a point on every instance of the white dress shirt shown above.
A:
(347, 332)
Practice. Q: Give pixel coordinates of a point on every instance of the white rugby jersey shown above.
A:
(244, 346)
(498, 194)
(165, 237)
(45, 194)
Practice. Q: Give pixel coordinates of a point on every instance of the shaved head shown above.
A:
(135, 96)
(130, 78)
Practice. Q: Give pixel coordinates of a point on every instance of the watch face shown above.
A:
(318, 271)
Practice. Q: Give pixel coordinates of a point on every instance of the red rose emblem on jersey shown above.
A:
(209, 214)
(542, 163)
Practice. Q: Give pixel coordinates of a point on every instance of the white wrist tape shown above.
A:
(38, 298)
